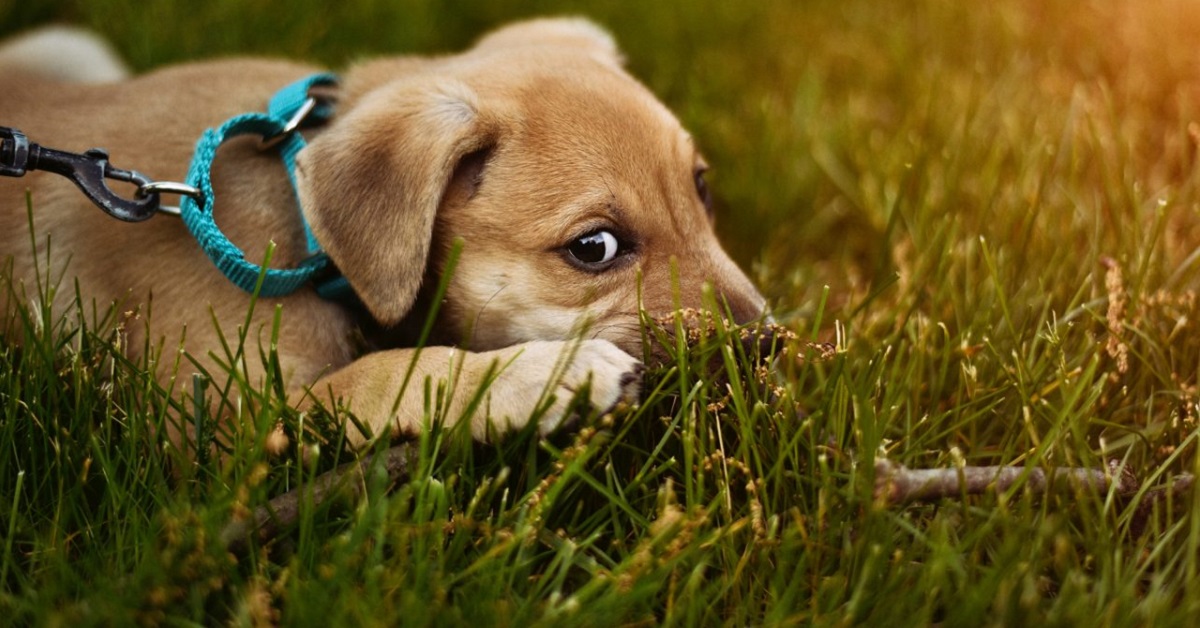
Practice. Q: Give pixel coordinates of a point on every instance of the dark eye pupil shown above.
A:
(589, 249)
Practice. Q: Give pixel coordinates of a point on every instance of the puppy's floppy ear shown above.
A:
(371, 184)
(575, 32)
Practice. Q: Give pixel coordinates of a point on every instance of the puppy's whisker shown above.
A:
(622, 330)
(479, 312)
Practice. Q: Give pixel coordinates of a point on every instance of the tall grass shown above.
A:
(989, 209)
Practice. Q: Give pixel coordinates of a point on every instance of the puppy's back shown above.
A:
(62, 53)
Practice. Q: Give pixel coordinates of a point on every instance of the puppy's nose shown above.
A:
(757, 325)
(760, 341)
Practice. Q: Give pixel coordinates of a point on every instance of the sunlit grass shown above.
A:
(989, 208)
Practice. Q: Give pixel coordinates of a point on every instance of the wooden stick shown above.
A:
(283, 510)
(897, 484)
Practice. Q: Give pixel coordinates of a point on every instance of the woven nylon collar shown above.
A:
(277, 126)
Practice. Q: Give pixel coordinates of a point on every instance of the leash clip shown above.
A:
(88, 171)
(14, 152)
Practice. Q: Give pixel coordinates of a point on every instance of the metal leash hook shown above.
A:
(89, 171)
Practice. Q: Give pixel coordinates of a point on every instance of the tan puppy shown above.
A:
(570, 186)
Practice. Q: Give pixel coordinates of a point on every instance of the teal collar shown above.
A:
(287, 109)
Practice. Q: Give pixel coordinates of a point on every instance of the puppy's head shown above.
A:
(577, 195)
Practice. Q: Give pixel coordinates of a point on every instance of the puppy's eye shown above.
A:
(595, 249)
(702, 189)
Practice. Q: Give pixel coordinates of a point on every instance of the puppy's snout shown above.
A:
(746, 311)
(757, 328)
(760, 342)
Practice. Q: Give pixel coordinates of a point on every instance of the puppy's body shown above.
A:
(151, 123)
(520, 147)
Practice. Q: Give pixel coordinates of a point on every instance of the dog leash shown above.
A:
(88, 170)
(287, 110)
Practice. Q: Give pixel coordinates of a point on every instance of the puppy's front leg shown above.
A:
(496, 391)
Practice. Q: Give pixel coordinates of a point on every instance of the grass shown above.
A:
(991, 209)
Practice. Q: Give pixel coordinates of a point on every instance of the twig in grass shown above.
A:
(283, 510)
(1179, 484)
(897, 484)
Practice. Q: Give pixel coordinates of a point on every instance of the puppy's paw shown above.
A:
(609, 375)
(540, 379)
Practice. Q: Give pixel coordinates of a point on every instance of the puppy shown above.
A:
(576, 196)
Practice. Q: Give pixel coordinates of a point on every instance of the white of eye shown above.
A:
(598, 247)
